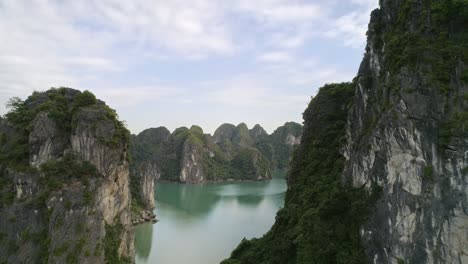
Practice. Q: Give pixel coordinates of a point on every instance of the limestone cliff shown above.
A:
(144, 171)
(257, 132)
(380, 176)
(284, 140)
(64, 181)
(277, 147)
(407, 132)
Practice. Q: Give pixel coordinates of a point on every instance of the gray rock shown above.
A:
(394, 141)
(67, 222)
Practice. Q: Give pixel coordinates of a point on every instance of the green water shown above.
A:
(202, 224)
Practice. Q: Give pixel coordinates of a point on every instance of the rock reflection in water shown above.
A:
(203, 223)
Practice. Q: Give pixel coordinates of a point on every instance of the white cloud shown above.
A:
(20, 75)
(279, 11)
(94, 63)
(250, 92)
(352, 27)
(308, 72)
(190, 28)
(131, 96)
(275, 57)
(288, 40)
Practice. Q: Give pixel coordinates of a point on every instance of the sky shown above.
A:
(176, 63)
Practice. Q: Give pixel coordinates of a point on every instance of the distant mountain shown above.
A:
(232, 153)
(284, 140)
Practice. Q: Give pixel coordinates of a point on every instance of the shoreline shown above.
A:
(229, 180)
(215, 181)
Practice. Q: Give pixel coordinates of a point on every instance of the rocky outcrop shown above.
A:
(285, 139)
(142, 180)
(191, 164)
(288, 134)
(144, 171)
(225, 131)
(67, 181)
(257, 132)
(406, 133)
(149, 172)
(380, 177)
(46, 141)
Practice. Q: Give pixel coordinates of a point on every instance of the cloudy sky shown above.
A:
(180, 62)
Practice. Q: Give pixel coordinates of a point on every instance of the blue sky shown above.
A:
(181, 62)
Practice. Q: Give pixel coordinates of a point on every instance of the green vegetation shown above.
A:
(121, 134)
(111, 245)
(425, 41)
(66, 108)
(276, 147)
(465, 171)
(83, 99)
(428, 173)
(58, 172)
(457, 125)
(12, 247)
(321, 218)
(227, 160)
(88, 197)
(43, 240)
(250, 162)
(440, 44)
(97, 249)
(7, 196)
(59, 251)
(62, 105)
(26, 234)
(429, 39)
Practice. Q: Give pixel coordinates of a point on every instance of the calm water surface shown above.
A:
(202, 224)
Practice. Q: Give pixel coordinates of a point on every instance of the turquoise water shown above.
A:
(203, 223)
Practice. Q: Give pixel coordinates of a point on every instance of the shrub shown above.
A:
(428, 173)
(85, 98)
(67, 168)
(111, 245)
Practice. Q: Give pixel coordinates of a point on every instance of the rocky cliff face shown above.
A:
(192, 164)
(65, 176)
(257, 132)
(145, 171)
(145, 174)
(285, 139)
(406, 132)
(288, 134)
(391, 186)
(225, 131)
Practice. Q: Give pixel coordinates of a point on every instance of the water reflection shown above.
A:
(203, 223)
(193, 199)
(144, 235)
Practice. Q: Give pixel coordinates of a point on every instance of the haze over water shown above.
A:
(203, 223)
